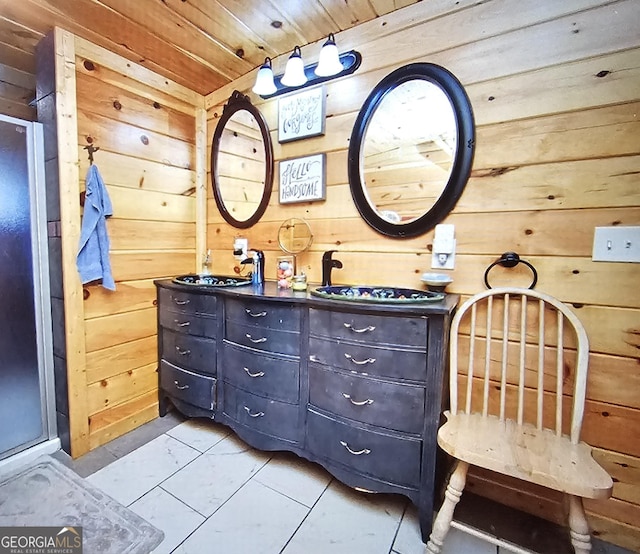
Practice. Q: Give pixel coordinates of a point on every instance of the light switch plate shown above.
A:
(616, 244)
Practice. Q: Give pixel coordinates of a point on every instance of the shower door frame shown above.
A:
(47, 442)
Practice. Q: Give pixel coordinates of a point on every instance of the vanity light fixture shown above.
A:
(264, 80)
(329, 59)
(331, 65)
(294, 75)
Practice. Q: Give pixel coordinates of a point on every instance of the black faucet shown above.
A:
(328, 263)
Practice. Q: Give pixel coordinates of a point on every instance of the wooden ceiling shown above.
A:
(202, 44)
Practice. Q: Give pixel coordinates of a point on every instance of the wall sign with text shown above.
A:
(302, 179)
(301, 115)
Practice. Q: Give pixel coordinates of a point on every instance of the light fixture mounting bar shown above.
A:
(350, 62)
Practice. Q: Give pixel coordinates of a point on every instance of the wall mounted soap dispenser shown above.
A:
(444, 247)
(240, 247)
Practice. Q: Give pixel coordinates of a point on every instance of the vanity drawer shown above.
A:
(270, 315)
(261, 338)
(390, 405)
(270, 376)
(385, 457)
(198, 390)
(369, 328)
(271, 417)
(189, 352)
(189, 324)
(369, 360)
(187, 302)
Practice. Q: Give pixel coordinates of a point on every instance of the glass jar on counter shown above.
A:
(299, 282)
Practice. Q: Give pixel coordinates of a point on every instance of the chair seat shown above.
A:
(524, 452)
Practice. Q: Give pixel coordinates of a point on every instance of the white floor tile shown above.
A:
(409, 539)
(168, 514)
(349, 522)
(218, 473)
(255, 520)
(294, 477)
(135, 474)
(199, 433)
(457, 542)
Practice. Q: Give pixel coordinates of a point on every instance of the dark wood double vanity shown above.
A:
(356, 387)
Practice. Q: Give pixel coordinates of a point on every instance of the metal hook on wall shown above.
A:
(511, 259)
(91, 149)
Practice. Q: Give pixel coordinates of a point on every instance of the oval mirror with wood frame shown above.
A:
(241, 163)
(411, 150)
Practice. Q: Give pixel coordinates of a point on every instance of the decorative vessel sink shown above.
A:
(391, 295)
(210, 280)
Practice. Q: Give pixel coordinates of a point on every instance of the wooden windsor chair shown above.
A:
(518, 372)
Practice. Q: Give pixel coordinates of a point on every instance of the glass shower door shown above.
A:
(24, 413)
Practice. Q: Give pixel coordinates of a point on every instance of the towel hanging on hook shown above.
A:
(93, 253)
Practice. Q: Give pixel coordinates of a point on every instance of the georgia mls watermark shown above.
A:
(40, 540)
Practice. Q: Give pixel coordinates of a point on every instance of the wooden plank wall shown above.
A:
(17, 90)
(17, 70)
(555, 88)
(150, 133)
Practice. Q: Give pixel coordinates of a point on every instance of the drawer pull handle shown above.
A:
(357, 402)
(182, 323)
(181, 302)
(258, 374)
(354, 452)
(256, 341)
(359, 362)
(254, 414)
(314, 358)
(183, 352)
(363, 330)
(256, 314)
(179, 386)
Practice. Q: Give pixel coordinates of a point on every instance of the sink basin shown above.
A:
(387, 295)
(210, 280)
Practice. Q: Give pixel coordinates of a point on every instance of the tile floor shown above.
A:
(211, 493)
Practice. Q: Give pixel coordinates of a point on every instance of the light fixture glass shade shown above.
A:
(294, 75)
(329, 59)
(264, 85)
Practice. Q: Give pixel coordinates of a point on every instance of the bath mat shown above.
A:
(48, 494)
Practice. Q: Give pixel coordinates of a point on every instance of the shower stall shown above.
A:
(27, 397)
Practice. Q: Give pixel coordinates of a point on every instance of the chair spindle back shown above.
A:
(510, 349)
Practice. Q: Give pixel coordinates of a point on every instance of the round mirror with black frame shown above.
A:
(411, 150)
(241, 163)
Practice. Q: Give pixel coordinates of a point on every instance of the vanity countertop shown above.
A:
(271, 291)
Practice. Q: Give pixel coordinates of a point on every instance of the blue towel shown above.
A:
(93, 255)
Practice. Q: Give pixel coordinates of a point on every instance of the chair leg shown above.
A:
(445, 515)
(579, 528)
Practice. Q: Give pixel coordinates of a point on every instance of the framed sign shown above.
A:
(301, 115)
(302, 179)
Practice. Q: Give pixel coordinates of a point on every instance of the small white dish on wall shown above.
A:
(436, 282)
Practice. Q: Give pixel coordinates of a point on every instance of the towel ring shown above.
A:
(511, 259)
